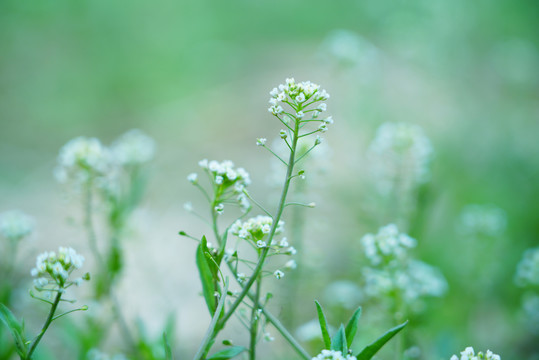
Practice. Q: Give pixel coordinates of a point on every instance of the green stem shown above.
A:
(45, 325)
(255, 316)
(217, 326)
(92, 240)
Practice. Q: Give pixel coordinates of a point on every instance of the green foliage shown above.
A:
(338, 342)
(228, 353)
(344, 337)
(323, 325)
(369, 351)
(16, 328)
(209, 277)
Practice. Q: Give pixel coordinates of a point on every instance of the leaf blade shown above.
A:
(16, 329)
(228, 353)
(370, 350)
(206, 276)
(351, 327)
(338, 343)
(323, 325)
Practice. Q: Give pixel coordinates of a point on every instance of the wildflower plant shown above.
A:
(299, 108)
(52, 278)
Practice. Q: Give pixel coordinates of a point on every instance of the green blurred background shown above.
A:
(195, 75)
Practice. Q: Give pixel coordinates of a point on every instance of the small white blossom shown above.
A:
(219, 209)
(469, 354)
(133, 147)
(261, 244)
(192, 178)
(268, 337)
(81, 159)
(278, 274)
(291, 264)
(57, 267)
(333, 355)
(283, 134)
(318, 140)
(261, 141)
(15, 224)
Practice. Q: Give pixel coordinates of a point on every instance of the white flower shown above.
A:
(15, 224)
(323, 128)
(219, 208)
(58, 267)
(203, 163)
(219, 179)
(261, 244)
(81, 159)
(133, 147)
(261, 141)
(268, 337)
(283, 134)
(278, 274)
(300, 114)
(399, 155)
(322, 107)
(300, 98)
(333, 355)
(291, 264)
(192, 178)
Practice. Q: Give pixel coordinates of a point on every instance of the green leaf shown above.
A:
(372, 349)
(168, 350)
(16, 329)
(206, 276)
(338, 343)
(323, 325)
(351, 327)
(228, 353)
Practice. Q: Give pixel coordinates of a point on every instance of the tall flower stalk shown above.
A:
(300, 98)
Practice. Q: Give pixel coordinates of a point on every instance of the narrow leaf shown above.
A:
(228, 353)
(206, 277)
(168, 350)
(16, 329)
(323, 325)
(338, 343)
(351, 327)
(372, 349)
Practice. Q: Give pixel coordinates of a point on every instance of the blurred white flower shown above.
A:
(15, 224)
(133, 148)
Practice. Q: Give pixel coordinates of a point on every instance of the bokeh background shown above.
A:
(195, 75)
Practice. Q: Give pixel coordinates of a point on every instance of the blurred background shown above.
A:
(195, 76)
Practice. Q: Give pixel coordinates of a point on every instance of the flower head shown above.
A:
(15, 224)
(55, 268)
(333, 355)
(469, 354)
(82, 159)
(133, 148)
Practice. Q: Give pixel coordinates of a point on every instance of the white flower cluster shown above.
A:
(224, 174)
(387, 246)
(227, 181)
(85, 158)
(133, 148)
(400, 153)
(487, 220)
(528, 268)
(256, 229)
(57, 266)
(298, 96)
(15, 224)
(82, 158)
(469, 354)
(333, 355)
(394, 270)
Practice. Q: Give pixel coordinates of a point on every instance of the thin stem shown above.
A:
(46, 325)
(88, 223)
(257, 204)
(211, 332)
(255, 317)
(277, 156)
(275, 223)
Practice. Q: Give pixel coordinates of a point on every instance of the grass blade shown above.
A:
(323, 325)
(372, 349)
